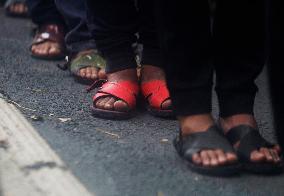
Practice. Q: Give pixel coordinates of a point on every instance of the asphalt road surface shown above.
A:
(112, 158)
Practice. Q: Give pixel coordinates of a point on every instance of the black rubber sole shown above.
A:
(55, 58)
(263, 168)
(222, 171)
(13, 15)
(111, 115)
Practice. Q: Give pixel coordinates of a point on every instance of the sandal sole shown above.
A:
(168, 114)
(263, 168)
(111, 115)
(23, 16)
(222, 171)
(54, 58)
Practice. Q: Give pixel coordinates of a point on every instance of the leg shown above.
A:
(46, 16)
(152, 67)
(113, 25)
(275, 66)
(79, 41)
(42, 12)
(189, 73)
(240, 55)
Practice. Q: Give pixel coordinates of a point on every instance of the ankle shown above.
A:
(150, 72)
(128, 74)
(195, 123)
(228, 123)
(84, 52)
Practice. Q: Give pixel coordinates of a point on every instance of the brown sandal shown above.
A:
(47, 33)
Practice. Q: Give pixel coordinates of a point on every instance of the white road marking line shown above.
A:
(28, 166)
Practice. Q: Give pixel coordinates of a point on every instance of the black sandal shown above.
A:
(213, 138)
(250, 140)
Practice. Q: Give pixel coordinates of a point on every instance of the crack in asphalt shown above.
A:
(40, 165)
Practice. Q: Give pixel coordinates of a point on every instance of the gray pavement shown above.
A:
(112, 158)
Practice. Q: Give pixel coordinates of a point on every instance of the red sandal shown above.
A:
(126, 91)
(156, 93)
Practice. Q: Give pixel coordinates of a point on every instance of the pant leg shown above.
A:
(184, 28)
(113, 25)
(78, 37)
(275, 67)
(148, 36)
(239, 38)
(44, 11)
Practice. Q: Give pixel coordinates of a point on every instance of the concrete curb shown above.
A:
(28, 166)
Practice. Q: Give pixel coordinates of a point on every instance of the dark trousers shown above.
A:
(44, 12)
(71, 14)
(193, 51)
(79, 37)
(114, 25)
(275, 67)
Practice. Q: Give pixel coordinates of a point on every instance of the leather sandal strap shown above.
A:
(45, 33)
(250, 140)
(156, 92)
(124, 90)
(237, 133)
(211, 139)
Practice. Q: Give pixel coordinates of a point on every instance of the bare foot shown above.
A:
(112, 103)
(48, 48)
(263, 154)
(18, 8)
(209, 158)
(90, 72)
(149, 73)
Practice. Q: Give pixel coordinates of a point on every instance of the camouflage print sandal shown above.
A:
(77, 62)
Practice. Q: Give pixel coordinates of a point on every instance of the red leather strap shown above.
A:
(156, 92)
(124, 90)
